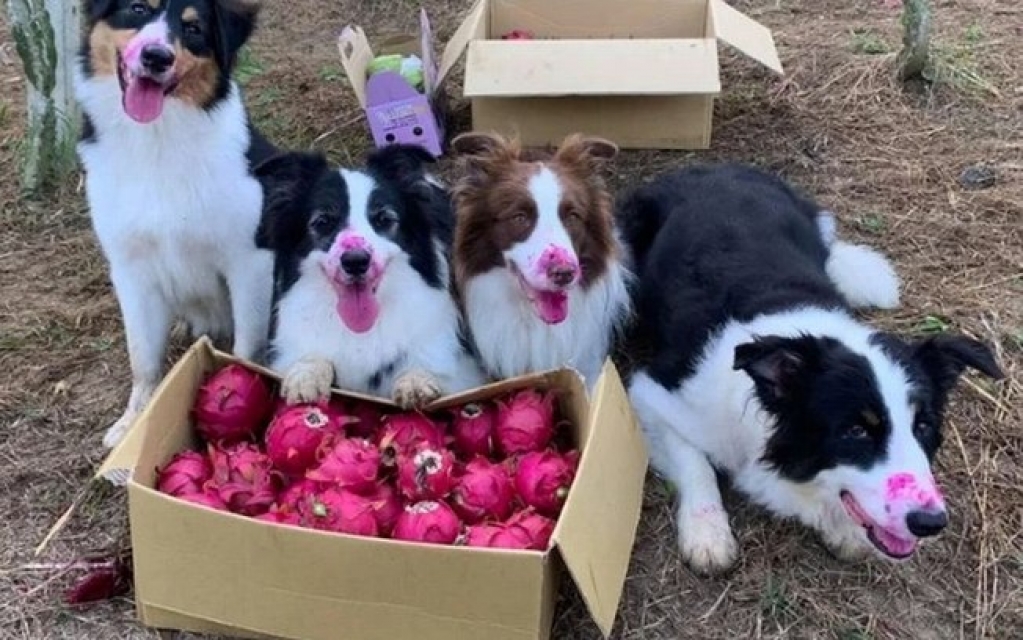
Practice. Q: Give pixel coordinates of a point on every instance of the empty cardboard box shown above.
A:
(202, 570)
(396, 111)
(643, 73)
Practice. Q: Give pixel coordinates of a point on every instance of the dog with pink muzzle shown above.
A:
(757, 365)
(362, 298)
(168, 151)
(536, 257)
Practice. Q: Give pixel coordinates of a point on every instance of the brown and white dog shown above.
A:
(536, 259)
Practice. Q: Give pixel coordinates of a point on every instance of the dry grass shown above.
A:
(887, 161)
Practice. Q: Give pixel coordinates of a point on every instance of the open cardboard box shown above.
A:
(202, 570)
(643, 73)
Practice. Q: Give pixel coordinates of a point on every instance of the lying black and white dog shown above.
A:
(762, 371)
(362, 288)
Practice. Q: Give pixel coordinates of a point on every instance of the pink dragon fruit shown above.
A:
(496, 536)
(386, 507)
(525, 422)
(365, 419)
(543, 479)
(208, 499)
(402, 431)
(426, 472)
(244, 479)
(292, 498)
(429, 521)
(353, 464)
(298, 436)
(539, 528)
(281, 517)
(484, 492)
(231, 405)
(340, 511)
(187, 472)
(472, 430)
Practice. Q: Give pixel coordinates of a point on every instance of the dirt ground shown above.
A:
(888, 160)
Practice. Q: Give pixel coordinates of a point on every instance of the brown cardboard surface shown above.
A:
(604, 19)
(499, 68)
(209, 571)
(594, 533)
(356, 54)
(473, 27)
(683, 122)
(745, 34)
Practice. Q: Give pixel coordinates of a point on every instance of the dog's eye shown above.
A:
(321, 223)
(856, 432)
(384, 220)
(192, 28)
(921, 428)
(140, 8)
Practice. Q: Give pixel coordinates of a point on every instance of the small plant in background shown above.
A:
(931, 325)
(869, 42)
(246, 67)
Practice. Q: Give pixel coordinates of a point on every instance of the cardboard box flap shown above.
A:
(502, 68)
(121, 462)
(356, 54)
(745, 34)
(427, 54)
(605, 500)
(472, 28)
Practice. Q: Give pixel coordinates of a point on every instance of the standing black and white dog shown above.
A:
(167, 150)
(762, 370)
(362, 284)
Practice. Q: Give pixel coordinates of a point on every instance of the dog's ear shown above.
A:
(99, 9)
(944, 358)
(286, 179)
(487, 152)
(593, 151)
(404, 163)
(233, 24)
(776, 364)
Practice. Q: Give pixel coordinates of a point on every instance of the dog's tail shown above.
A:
(863, 276)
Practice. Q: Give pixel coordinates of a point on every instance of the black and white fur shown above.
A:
(386, 229)
(173, 201)
(761, 370)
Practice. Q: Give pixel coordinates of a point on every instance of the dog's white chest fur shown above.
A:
(512, 340)
(172, 202)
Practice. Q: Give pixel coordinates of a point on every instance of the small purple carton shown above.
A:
(395, 110)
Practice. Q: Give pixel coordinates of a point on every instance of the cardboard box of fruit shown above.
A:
(353, 519)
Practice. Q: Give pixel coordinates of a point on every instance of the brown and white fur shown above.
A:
(168, 153)
(536, 258)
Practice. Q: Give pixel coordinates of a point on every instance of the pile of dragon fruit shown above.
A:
(487, 474)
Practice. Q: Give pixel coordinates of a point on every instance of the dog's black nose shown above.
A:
(924, 524)
(562, 276)
(355, 262)
(157, 59)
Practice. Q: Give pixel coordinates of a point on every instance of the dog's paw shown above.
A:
(308, 380)
(706, 540)
(116, 433)
(416, 389)
(847, 548)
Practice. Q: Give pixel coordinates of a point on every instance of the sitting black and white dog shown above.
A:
(168, 149)
(760, 368)
(362, 286)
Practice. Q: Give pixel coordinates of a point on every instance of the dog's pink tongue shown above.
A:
(143, 100)
(552, 306)
(358, 307)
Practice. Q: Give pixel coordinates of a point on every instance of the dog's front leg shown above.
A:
(415, 388)
(307, 380)
(147, 322)
(704, 534)
(251, 285)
